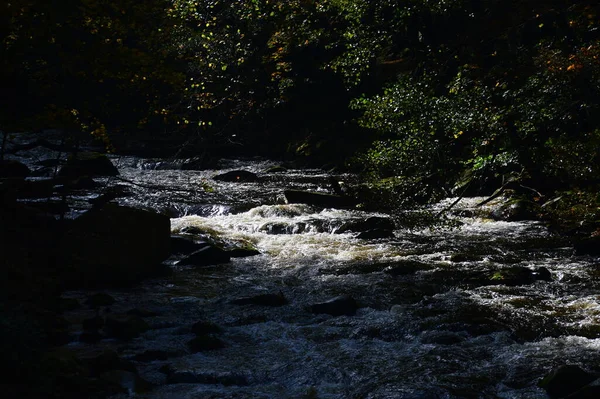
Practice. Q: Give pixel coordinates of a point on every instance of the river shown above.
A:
(432, 321)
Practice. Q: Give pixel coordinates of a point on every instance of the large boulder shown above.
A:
(88, 164)
(237, 176)
(115, 245)
(318, 199)
(566, 380)
(9, 168)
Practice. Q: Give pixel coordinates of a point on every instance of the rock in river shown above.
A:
(318, 199)
(115, 245)
(88, 164)
(209, 255)
(237, 176)
(262, 300)
(340, 306)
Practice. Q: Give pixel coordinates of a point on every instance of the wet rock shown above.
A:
(339, 306)
(588, 246)
(154, 354)
(90, 337)
(99, 299)
(199, 163)
(520, 275)
(101, 362)
(273, 300)
(371, 223)
(61, 369)
(516, 210)
(184, 245)
(375, 234)
(441, 338)
(67, 304)
(115, 246)
(318, 199)
(141, 312)
(190, 377)
(243, 252)
(205, 327)
(276, 169)
(88, 164)
(123, 381)
(465, 257)
(41, 188)
(93, 324)
(566, 380)
(125, 327)
(209, 255)
(82, 183)
(405, 267)
(237, 176)
(205, 343)
(15, 169)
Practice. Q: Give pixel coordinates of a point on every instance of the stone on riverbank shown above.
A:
(340, 306)
(115, 245)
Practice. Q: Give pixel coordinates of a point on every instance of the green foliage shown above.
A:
(86, 66)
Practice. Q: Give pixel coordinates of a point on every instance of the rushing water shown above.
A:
(439, 328)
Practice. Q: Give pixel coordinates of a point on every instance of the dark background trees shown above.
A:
(434, 92)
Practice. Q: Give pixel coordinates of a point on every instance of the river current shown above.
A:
(431, 323)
